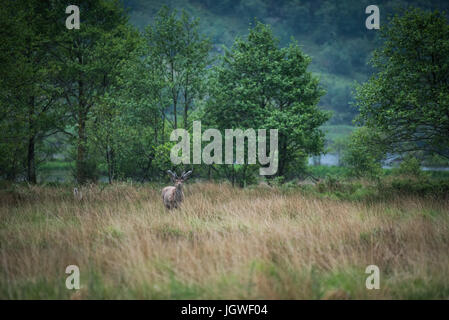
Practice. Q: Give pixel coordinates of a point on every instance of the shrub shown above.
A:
(364, 153)
(423, 187)
(410, 166)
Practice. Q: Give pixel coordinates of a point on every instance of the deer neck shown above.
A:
(179, 192)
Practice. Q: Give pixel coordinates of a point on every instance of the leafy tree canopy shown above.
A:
(259, 85)
(408, 98)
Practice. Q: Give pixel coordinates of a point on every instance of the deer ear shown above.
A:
(186, 175)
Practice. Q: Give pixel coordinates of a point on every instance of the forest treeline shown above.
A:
(113, 93)
(332, 32)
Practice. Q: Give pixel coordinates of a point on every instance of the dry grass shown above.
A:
(224, 243)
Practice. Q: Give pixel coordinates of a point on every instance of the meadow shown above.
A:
(261, 242)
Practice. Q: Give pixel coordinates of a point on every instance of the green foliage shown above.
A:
(324, 171)
(180, 53)
(408, 99)
(84, 68)
(108, 95)
(364, 153)
(259, 85)
(133, 120)
(29, 108)
(421, 187)
(410, 166)
(162, 161)
(435, 160)
(331, 32)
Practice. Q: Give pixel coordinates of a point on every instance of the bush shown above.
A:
(424, 187)
(364, 153)
(324, 171)
(410, 166)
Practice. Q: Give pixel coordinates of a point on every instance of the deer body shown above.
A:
(174, 195)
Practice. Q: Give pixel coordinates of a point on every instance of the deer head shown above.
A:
(177, 181)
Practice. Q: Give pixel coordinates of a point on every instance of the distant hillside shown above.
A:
(333, 33)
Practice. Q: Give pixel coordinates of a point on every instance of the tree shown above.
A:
(126, 125)
(364, 153)
(176, 45)
(259, 85)
(408, 98)
(87, 62)
(29, 104)
(339, 146)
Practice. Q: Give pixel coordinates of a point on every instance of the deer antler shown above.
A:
(172, 174)
(185, 175)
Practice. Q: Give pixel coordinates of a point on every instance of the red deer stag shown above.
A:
(173, 195)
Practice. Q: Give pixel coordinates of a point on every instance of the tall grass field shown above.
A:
(262, 242)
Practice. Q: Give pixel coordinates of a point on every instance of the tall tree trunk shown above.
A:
(111, 163)
(155, 130)
(186, 101)
(186, 107)
(31, 158)
(163, 127)
(81, 171)
(108, 161)
(81, 151)
(175, 101)
(244, 182)
(174, 94)
(11, 174)
(282, 157)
